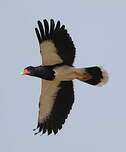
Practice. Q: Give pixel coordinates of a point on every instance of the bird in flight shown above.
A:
(57, 74)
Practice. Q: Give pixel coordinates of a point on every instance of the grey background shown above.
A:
(97, 122)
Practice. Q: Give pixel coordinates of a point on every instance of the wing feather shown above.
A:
(46, 25)
(57, 26)
(47, 98)
(38, 35)
(58, 108)
(58, 40)
(41, 30)
(52, 25)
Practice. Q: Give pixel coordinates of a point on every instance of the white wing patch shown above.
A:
(49, 53)
(47, 98)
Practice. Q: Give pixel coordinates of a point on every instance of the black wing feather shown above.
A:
(57, 25)
(41, 30)
(60, 37)
(38, 35)
(46, 25)
(61, 108)
(52, 26)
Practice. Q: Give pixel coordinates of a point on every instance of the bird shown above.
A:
(57, 73)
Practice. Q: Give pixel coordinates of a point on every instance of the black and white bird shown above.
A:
(57, 73)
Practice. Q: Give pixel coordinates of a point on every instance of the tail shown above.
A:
(93, 75)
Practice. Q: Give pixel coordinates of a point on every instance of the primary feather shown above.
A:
(56, 45)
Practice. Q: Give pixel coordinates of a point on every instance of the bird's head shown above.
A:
(30, 70)
(39, 71)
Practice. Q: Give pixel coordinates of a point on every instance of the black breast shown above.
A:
(48, 73)
(44, 72)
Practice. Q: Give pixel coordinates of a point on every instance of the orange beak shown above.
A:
(25, 72)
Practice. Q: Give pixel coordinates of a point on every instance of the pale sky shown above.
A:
(97, 122)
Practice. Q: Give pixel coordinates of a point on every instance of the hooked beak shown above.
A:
(25, 72)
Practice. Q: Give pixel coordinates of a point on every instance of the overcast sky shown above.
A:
(97, 122)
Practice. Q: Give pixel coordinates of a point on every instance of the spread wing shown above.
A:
(55, 103)
(56, 45)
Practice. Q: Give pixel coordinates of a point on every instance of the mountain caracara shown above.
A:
(57, 72)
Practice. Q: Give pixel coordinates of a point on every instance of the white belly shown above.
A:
(65, 73)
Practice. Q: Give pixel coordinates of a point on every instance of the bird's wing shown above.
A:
(56, 45)
(55, 103)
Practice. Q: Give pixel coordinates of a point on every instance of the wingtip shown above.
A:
(39, 22)
(55, 131)
(45, 20)
(57, 25)
(35, 28)
(51, 19)
(63, 27)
